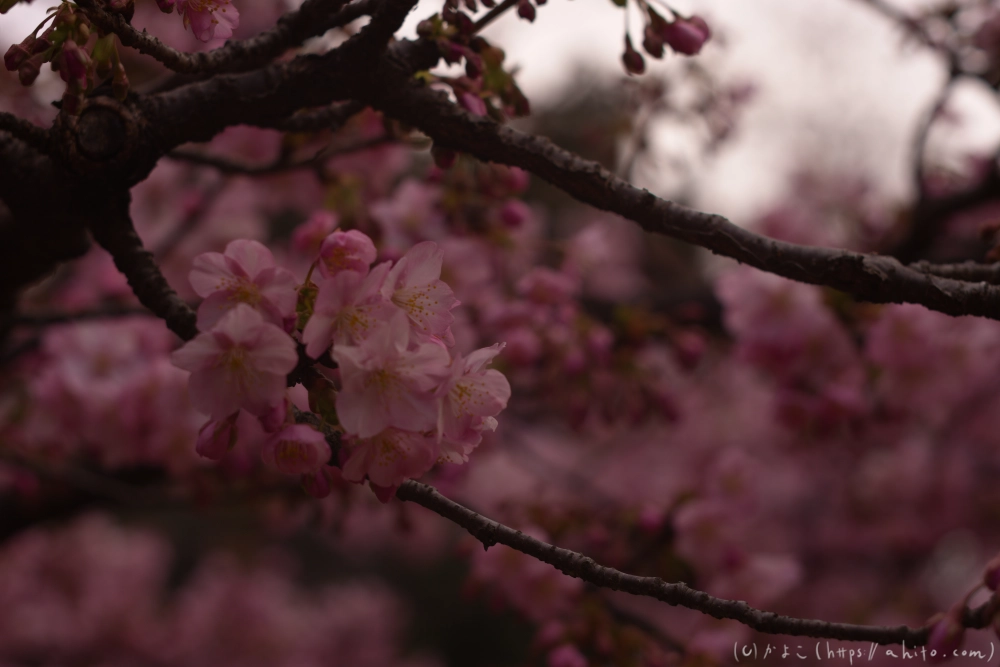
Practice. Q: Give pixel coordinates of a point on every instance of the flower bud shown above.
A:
(16, 55)
(526, 10)
(166, 6)
(686, 36)
(119, 83)
(991, 576)
(473, 66)
(29, 70)
(946, 635)
(632, 59)
(513, 213)
(652, 42)
(217, 437)
(296, 450)
(474, 104)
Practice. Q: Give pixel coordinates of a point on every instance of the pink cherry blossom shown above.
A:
(346, 251)
(470, 395)
(348, 308)
(245, 273)
(209, 19)
(415, 285)
(386, 384)
(389, 457)
(217, 437)
(296, 450)
(308, 237)
(241, 363)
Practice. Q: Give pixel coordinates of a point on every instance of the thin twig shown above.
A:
(279, 165)
(493, 14)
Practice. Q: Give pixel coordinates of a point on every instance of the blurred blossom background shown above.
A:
(673, 414)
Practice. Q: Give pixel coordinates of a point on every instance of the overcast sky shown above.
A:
(837, 86)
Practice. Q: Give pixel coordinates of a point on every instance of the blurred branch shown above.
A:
(493, 15)
(577, 565)
(45, 319)
(190, 220)
(281, 163)
(312, 19)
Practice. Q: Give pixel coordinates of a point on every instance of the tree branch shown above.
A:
(280, 165)
(267, 97)
(32, 135)
(969, 271)
(577, 565)
(872, 278)
(115, 233)
(312, 19)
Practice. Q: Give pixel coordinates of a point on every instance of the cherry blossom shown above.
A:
(346, 251)
(389, 457)
(245, 273)
(241, 363)
(470, 395)
(296, 450)
(415, 285)
(386, 384)
(209, 19)
(348, 309)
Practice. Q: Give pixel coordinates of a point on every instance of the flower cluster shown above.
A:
(207, 19)
(402, 401)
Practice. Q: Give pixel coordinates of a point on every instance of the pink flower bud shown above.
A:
(946, 635)
(474, 104)
(526, 10)
(652, 42)
(346, 251)
(513, 213)
(217, 437)
(517, 179)
(273, 420)
(473, 66)
(119, 83)
(29, 70)
(296, 450)
(991, 576)
(74, 65)
(15, 56)
(632, 59)
(166, 6)
(686, 36)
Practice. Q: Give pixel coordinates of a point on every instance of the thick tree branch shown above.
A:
(577, 565)
(32, 135)
(873, 278)
(115, 233)
(268, 96)
(312, 19)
